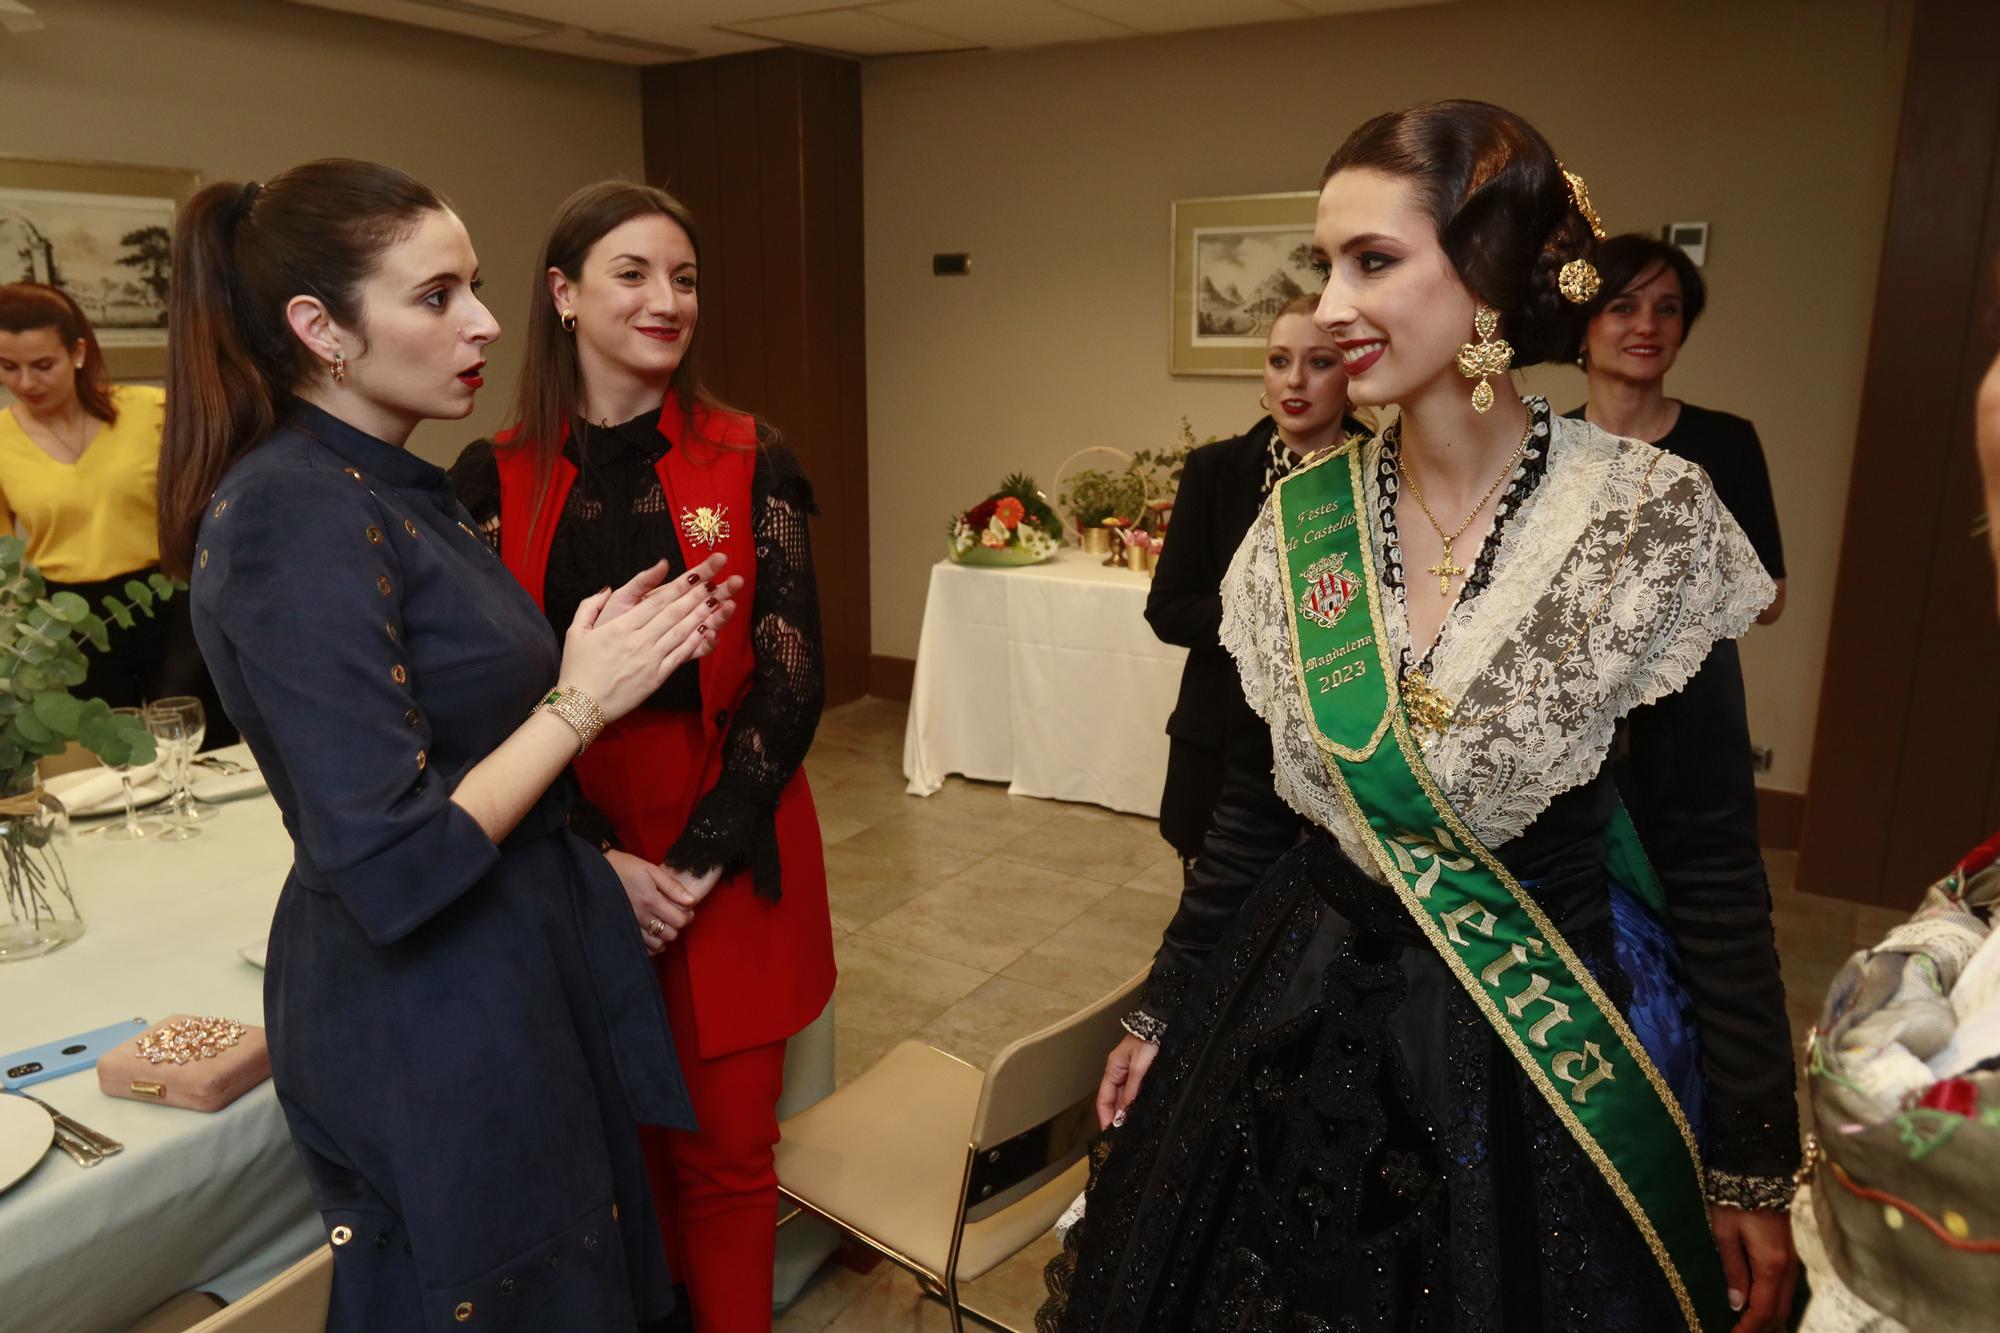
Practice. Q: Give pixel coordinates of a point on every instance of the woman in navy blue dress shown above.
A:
(463, 1024)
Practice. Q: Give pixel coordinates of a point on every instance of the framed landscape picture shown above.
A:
(1236, 261)
(103, 233)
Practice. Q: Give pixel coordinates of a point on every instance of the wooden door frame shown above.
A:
(1904, 774)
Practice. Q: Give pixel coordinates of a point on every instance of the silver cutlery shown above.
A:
(97, 1146)
(229, 768)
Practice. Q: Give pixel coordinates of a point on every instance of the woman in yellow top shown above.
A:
(78, 456)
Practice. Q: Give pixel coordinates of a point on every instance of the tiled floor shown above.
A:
(973, 917)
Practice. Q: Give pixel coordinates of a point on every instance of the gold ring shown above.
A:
(655, 926)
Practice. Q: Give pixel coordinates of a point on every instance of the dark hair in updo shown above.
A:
(1503, 211)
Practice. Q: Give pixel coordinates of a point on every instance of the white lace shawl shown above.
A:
(1531, 723)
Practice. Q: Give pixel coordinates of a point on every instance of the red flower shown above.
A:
(1010, 510)
(980, 515)
(1956, 1096)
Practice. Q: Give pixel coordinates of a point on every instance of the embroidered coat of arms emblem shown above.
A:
(1329, 590)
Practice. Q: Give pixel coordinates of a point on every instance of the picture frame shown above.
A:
(102, 231)
(1236, 258)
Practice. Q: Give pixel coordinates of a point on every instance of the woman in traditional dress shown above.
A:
(1404, 1089)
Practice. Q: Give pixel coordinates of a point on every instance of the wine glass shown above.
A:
(173, 735)
(134, 828)
(186, 808)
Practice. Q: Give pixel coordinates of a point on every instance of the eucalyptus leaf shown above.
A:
(59, 711)
(141, 595)
(99, 633)
(30, 729)
(119, 615)
(70, 609)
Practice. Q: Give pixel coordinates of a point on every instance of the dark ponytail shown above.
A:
(241, 253)
(1502, 206)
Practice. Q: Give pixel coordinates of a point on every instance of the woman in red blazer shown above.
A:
(619, 459)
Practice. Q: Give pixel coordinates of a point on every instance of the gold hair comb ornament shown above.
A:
(1579, 193)
(1579, 280)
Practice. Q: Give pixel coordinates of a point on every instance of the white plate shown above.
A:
(25, 1135)
(89, 792)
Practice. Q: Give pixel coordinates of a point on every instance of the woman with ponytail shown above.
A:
(619, 457)
(462, 1024)
(1473, 1053)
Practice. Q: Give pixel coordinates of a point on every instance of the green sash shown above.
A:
(1567, 1037)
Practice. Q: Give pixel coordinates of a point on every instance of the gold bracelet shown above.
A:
(579, 710)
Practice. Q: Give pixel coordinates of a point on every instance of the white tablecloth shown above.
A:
(211, 1201)
(1046, 678)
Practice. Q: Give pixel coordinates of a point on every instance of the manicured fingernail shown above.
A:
(706, 630)
(695, 577)
(1735, 1298)
(1118, 1120)
(712, 602)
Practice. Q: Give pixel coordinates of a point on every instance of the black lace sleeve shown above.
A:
(1694, 800)
(773, 727)
(1251, 829)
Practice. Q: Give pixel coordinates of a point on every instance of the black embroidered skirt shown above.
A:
(1332, 1140)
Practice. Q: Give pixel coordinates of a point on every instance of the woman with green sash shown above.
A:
(1425, 1078)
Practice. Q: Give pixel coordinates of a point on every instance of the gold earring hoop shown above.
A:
(1264, 401)
(1488, 356)
(339, 368)
(568, 321)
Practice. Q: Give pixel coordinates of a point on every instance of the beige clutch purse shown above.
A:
(198, 1064)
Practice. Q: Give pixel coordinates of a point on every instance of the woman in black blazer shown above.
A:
(1222, 487)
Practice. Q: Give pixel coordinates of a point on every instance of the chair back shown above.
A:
(294, 1301)
(1037, 1110)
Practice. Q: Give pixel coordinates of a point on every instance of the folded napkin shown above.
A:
(98, 787)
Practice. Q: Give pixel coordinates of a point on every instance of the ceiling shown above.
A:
(650, 32)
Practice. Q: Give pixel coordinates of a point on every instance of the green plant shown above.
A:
(1095, 495)
(41, 660)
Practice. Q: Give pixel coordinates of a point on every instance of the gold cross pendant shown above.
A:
(1445, 570)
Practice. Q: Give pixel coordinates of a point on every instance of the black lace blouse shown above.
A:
(615, 522)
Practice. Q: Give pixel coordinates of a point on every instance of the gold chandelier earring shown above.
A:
(339, 368)
(1488, 356)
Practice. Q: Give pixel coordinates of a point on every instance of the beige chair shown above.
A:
(948, 1171)
(292, 1302)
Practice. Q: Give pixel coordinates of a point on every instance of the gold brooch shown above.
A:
(189, 1039)
(1426, 703)
(1578, 281)
(705, 526)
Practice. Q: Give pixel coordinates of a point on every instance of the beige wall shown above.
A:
(1055, 168)
(241, 89)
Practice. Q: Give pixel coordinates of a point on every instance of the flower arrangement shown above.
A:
(1012, 526)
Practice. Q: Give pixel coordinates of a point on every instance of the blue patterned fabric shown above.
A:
(1662, 1013)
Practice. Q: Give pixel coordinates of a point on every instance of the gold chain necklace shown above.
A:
(1444, 568)
(73, 451)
